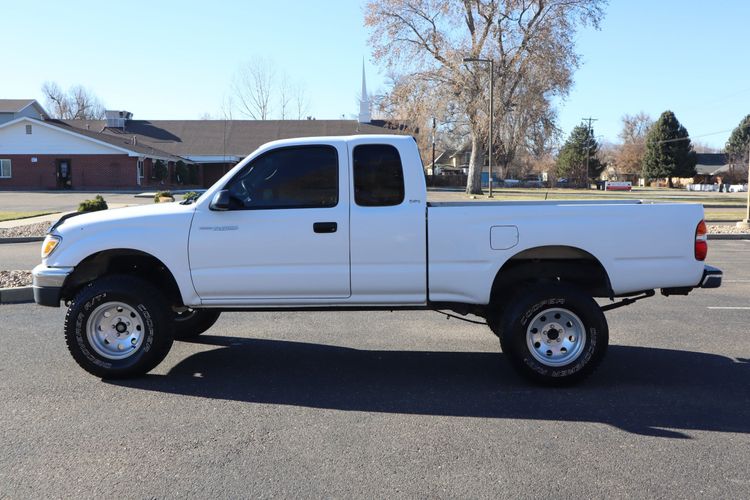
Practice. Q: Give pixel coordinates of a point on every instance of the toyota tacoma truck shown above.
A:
(343, 223)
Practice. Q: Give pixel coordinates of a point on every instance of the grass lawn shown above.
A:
(20, 215)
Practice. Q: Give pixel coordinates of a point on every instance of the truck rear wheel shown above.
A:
(117, 327)
(192, 322)
(553, 334)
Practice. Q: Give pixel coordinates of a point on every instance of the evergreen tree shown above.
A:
(669, 152)
(160, 170)
(739, 142)
(571, 162)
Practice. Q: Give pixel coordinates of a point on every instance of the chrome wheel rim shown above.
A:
(556, 337)
(115, 330)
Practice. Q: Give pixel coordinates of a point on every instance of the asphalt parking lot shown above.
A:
(20, 256)
(378, 404)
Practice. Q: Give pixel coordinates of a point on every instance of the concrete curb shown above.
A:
(25, 239)
(740, 236)
(20, 295)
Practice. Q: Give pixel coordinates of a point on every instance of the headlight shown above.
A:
(50, 243)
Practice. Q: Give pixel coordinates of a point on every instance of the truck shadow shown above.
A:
(655, 392)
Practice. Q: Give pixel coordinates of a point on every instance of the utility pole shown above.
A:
(433, 145)
(588, 147)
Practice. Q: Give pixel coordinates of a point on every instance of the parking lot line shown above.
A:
(736, 308)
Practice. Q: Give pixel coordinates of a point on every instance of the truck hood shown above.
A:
(149, 215)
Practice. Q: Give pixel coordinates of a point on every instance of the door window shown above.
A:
(378, 176)
(296, 177)
(139, 172)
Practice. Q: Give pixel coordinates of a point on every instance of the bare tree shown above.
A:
(629, 158)
(530, 41)
(284, 96)
(261, 92)
(301, 101)
(227, 105)
(252, 87)
(78, 103)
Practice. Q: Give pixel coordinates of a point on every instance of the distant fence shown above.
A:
(461, 180)
(733, 188)
(447, 180)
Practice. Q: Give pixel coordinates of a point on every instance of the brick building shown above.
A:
(39, 153)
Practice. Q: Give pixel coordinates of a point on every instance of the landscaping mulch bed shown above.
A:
(725, 229)
(38, 229)
(12, 279)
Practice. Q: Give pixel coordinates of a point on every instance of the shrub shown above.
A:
(190, 195)
(186, 174)
(193, 174)
(94, 205)
(163, 194)
(180, 172)
(160, 170)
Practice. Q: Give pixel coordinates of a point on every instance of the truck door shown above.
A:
(286, 234)
(388, 225)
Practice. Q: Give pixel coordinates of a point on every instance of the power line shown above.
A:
(678, 139)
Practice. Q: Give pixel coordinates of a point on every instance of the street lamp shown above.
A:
(492, 97)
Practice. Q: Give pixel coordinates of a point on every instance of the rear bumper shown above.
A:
(711, 277)
(48, 283)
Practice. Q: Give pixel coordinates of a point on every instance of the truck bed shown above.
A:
(642, 246)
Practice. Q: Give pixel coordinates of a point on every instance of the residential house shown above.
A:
(40, 153)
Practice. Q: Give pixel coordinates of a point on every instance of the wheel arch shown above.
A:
(123, 261)
(562, 263)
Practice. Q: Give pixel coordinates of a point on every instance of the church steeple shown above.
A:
(364, 100)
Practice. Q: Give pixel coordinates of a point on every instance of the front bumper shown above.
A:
(48, 283)
(711, 277)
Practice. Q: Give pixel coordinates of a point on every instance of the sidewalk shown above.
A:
(7, 224)
(49, 218)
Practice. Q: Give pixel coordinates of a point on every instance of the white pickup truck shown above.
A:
(343, 223)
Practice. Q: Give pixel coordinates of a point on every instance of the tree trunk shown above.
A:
(476, 161)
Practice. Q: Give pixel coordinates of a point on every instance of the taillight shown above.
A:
(701, 241)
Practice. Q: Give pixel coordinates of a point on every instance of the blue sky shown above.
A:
(170, 59)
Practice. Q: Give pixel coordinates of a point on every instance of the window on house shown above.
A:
(28, 129)
(378, 176)
(5, 172)
(297, 177)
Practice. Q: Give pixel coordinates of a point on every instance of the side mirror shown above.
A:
(220, 201)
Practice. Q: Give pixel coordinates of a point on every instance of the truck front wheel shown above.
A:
(553, 334)
(118, 327)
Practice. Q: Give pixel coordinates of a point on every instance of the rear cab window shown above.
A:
(378, 175)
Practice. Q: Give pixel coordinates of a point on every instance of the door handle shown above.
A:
(325, 227)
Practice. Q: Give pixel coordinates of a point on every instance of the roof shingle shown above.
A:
(228, 137)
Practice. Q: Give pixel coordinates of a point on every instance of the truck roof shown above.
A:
(387, 138)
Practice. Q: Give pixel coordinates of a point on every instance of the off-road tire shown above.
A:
(155, 332)
(528, 306)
